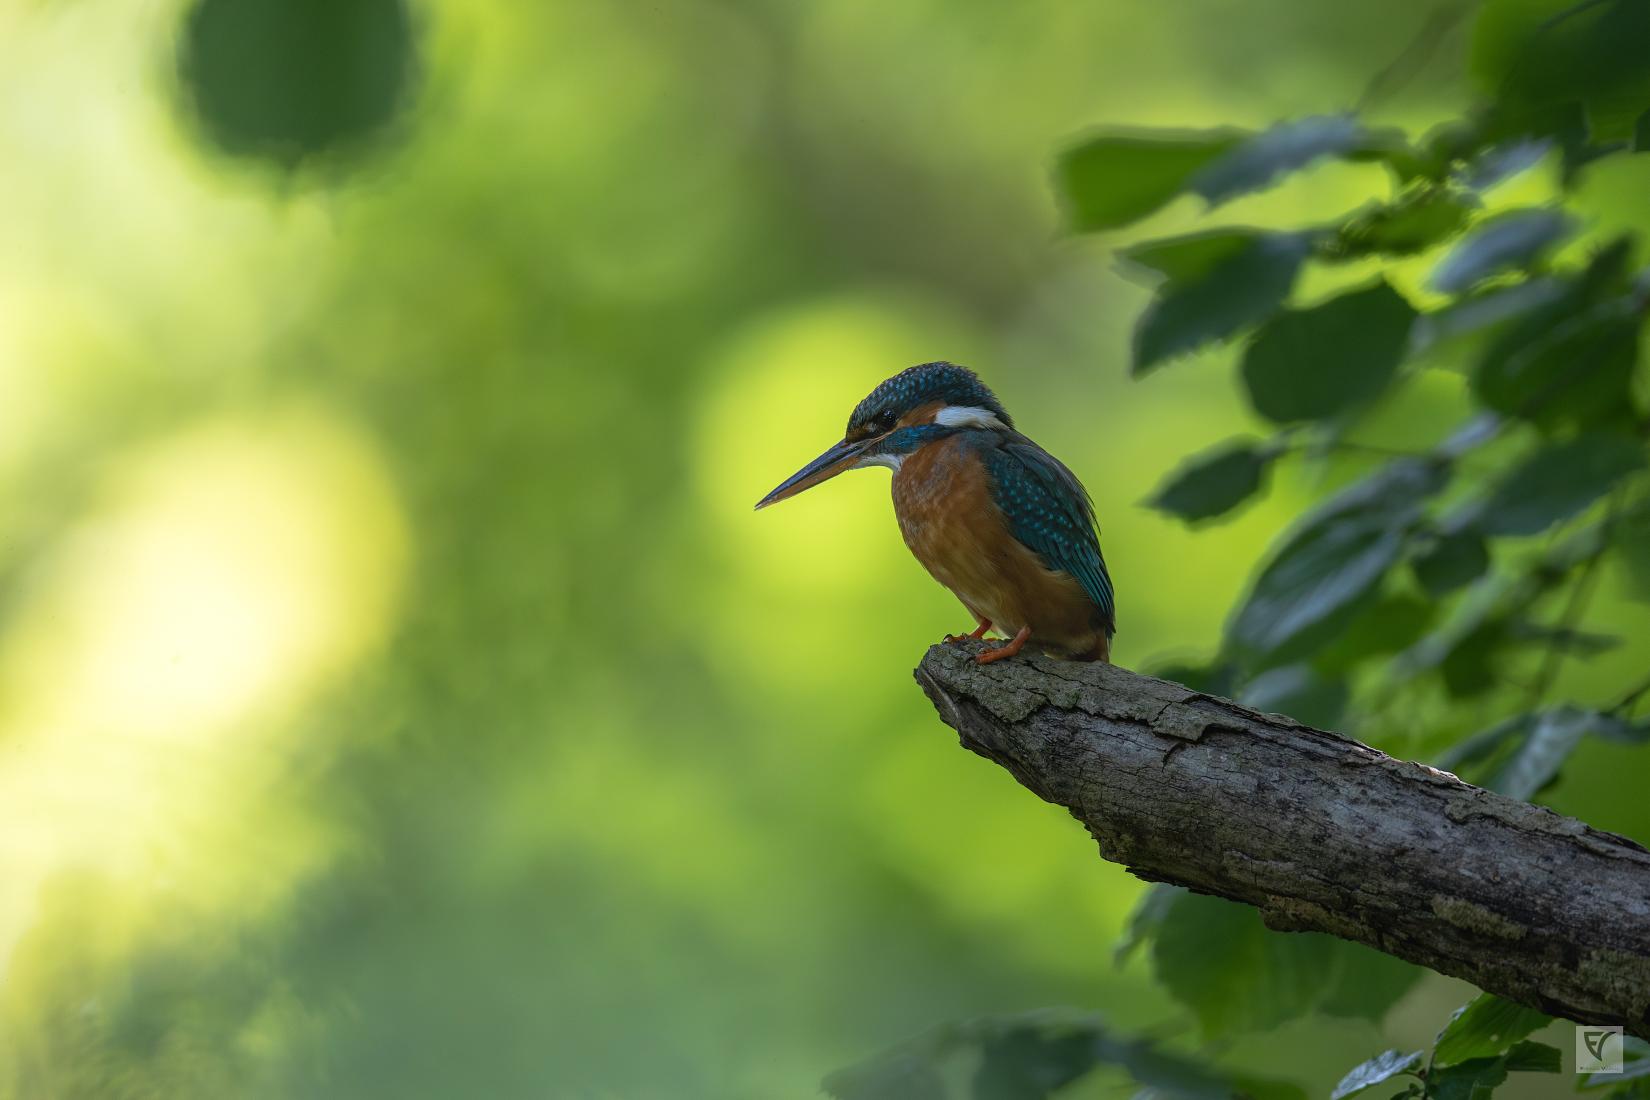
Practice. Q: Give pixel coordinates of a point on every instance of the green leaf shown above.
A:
(1516, 238)
(1502, 162)
(1535, 55)
(1570, 360)
(1383, 1067)
(1118, 177)
(1541, 753)
(1483, 314)
(294, 80)
(1453, 561)
(1246, 1086)
(1190, 257)
(1261, 160)
(1318, 580)
(1474, 1080)
(900, 1075)
(1414, 223)
(1301, 693)
(1367, 983)
(1024, 1063)
(1487, 1025)
(1148, 914)
(1214, 678)
(1315, 363)
(1472, 667)
(1392, 623)
(1557, 482)
(1240, 290)
(1487, 743)
(1030, 1056)
(1173, 1077)
(1213, 483)
(1218, 959)
(1477, 1078)
(1533, 1057)
(1630, 546)
(1619, 731)
(1113, 179)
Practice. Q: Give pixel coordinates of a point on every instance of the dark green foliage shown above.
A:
(1537, 55)
(1516, 238)
(1215, 482)
(1337, 557)
(1389, 625)
(1221, 962)
(1488, 1025)
(1261, 160)
(1556, 482)
(1238, 288)
(1299, 691)
(1316, 363)
(1412, 223)
(1030, 1063)
(1522, 755)
(1451, 562)
(1114, 179)
(1218, 960)
(1383, 1067)
(1029, 1057)
(1365, 983)
(1483, 1043)
(1568, 361)
(291, 80)
(900, 1075)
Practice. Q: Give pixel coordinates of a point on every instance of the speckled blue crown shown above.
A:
(921, 384)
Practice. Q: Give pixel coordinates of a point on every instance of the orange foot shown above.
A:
(1007, 649)
(979, 632)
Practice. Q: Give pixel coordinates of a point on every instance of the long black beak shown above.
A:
(839, 458)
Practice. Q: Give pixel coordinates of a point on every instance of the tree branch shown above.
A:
(1319, 832)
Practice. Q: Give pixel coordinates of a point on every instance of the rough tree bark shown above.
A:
(1319, 832)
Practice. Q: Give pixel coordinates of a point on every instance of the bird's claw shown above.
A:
(976, 635)
(1007, 649)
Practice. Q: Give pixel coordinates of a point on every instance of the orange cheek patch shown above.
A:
(922, 414)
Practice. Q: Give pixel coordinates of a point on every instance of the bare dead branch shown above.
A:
(1319, 832)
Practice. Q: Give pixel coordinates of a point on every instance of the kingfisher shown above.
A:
(990, 514)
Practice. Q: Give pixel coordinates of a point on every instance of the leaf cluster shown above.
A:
(1030, 1056)
(1458, 575)
(1483, 1043)
(1454, 577)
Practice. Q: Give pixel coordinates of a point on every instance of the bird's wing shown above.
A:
(1049, 511)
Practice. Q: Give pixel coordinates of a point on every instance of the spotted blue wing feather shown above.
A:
(1049, 511)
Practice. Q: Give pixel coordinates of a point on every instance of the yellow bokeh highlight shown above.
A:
(223, 577)
(780, 394)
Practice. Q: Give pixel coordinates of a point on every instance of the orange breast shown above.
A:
(961, 537)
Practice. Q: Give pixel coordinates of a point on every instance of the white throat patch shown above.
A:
(889, 460)
(967, 416)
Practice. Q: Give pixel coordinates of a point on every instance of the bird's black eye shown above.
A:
(884, 421)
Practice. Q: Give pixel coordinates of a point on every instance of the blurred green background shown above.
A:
(398, 695)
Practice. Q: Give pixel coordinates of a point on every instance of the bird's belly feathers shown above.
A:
(955, 529)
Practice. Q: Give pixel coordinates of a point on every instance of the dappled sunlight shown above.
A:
(222, 578)
(799, 579)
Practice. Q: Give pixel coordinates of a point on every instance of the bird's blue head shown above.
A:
(913, 408)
